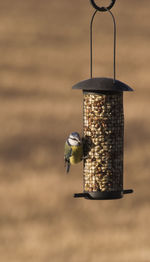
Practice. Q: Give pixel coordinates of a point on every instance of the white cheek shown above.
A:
(73, 142)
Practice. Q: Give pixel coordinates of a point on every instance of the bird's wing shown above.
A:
(68, 152)
(67, 155)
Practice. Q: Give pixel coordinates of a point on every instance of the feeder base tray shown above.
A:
(103, 195)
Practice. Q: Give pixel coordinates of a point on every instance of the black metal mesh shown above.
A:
(103, 124)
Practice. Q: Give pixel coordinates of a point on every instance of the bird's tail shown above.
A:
(67, 167)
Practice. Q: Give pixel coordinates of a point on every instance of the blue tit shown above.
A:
(73, 150)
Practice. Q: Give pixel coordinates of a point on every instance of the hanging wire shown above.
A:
(91, 44)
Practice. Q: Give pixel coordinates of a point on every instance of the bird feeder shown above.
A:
(103, 130)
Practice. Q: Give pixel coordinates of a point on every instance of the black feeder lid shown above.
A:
(102, 84)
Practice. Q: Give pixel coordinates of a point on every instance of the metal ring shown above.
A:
(102, 9)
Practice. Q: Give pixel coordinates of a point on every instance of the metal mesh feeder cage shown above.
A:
(103, 132)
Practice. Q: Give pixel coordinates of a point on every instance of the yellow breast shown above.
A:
(77, 153)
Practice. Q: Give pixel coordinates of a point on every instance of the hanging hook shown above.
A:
(102, 9)
(91, 43)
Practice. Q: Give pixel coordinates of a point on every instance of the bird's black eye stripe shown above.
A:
(73, 138)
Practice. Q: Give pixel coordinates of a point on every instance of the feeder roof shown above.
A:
(102, 84)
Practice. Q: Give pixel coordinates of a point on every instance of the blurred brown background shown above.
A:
(44, 50)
